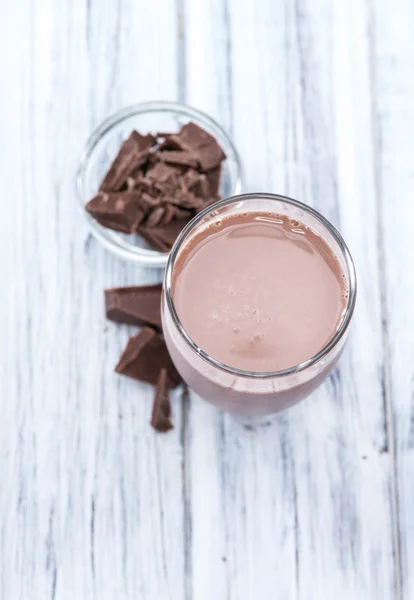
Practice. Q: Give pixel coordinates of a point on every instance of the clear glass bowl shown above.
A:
(103, 145)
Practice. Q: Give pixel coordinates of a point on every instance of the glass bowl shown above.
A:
(103, 145)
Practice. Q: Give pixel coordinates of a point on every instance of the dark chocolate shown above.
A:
(133, 153)
(135, 305)
(161, 410)
(156, 185)
(120, 210)
(144, 356)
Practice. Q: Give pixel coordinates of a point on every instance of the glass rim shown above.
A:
(351, 275)
(146, 256)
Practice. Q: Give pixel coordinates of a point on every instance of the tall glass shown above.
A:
(247, 392)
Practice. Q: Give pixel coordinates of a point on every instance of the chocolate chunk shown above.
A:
(210, 156)
(182, 213)
(133, 153)
(213, 180)
(135, 305)
(201, 187)
(147, 203)
(146, 185)
(193, 137)
(119, 211)
(172, 142)
(161, 410)
(189, 179)
(131, 183)
(174, 157)
(169, 214)
(184, 199)
(162, 172)
(155, 217)
(163, 237)
(144, 356)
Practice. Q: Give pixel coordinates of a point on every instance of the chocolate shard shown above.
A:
(135, 305)
(175, 157)
(147, 203)
(162, 238)
(133, 153)
(161, 410)
(182, 213)
(201, 187)
(146, 185)
(162, 172)
(172, 142)
(213, 180)
(189, 179)
(119, 211)
(193, 137)
(155, 217)
(184, 199)
(169, 214)
(210, 156)
(131, 183)
(144, 356)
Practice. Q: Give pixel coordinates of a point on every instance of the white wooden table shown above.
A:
(318, 96)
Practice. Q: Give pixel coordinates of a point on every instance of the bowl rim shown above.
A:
(351, 276)
(144, 256)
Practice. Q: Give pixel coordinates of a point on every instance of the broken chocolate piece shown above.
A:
(174, 157)
(162, 238)
(201, 187)
(210, 156)
(193, 137)
(147, 203)
(134, 152)
(171, 142)
(135, 305)
(169, 214)
(189, 179)
(213, 180)
(155, 217)
(144, 356)
(119, 210)
(161, 410)
(162, 172)
(184, 199)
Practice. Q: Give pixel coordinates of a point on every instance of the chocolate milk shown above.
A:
(259, 292)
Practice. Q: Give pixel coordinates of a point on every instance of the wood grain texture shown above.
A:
(393, 58)
(315, 503)
(91, 498)
(291, 510)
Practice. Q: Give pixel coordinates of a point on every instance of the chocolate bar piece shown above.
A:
(163, 237)
(119, 211)
(192, 137)
(133, 153)
(175, 157)
(210, 156)
(144, 356)
(161, 411)
(135, 305)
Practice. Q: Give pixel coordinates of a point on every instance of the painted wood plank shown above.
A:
(91, 499)
(301, 508)
(393, 61)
